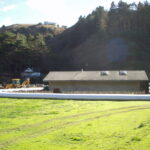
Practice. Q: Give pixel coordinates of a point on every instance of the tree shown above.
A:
(133, 6)
(101, 19)
(113, 6)
(21, 41)
(123, 6)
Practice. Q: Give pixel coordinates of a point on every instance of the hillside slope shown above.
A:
(23, 46)
(33, 29)
(114, 39)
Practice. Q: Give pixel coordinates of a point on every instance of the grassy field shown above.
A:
(74, 125)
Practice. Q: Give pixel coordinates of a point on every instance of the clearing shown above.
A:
(30, 124)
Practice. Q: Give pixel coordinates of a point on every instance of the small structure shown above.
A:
(97, 81)
(49, 23)
(28, 70)
(29, 73)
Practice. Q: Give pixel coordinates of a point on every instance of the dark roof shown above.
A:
(96, 76)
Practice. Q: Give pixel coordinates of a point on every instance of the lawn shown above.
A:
(29, 124)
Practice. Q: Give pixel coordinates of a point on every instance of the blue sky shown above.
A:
(63, 12)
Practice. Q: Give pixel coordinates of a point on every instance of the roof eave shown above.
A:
(92, 80)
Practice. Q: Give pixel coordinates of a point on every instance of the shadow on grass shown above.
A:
(61, 100)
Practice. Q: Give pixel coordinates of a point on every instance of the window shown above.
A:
(104, 73)
(56, 90)
(123, 73)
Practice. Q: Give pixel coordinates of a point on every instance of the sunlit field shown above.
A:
(29, 124)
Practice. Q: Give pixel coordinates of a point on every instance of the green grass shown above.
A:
(29, 124)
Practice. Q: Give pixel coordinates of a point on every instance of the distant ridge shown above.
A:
(32, 28)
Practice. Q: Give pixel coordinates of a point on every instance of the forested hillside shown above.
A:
(114, 39)
(23, 46)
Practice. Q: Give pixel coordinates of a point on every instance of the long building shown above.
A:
(97, 81)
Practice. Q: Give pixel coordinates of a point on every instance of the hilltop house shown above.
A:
(97, 81)
(29, 73)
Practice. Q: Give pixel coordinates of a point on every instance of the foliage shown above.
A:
(20, 48)
(129, 22)
(82, 46)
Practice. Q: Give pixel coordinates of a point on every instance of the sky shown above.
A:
(62, 12)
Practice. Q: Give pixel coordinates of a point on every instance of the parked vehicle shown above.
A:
(16, 83)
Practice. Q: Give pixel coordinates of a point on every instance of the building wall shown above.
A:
(95, 87)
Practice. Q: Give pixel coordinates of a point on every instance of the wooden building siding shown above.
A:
(96, 87)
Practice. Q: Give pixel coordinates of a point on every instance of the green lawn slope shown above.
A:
(30, 124)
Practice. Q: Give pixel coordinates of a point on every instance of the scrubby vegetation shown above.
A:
(23, 46)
